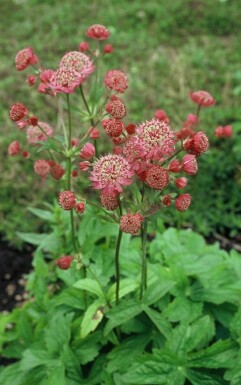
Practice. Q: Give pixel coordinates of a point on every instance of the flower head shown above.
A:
(35, 134)
(79, 208)
(113, 127)
(24, 58)
(56, 170)
(79, 62)
(203, 98)
(98, 32)
(14, 148)
(189, 164)
(116, 80)
(110, 173)
(157, 177)
(183, 201)
(41, 167)
(161, 115)
(87, 151)
(17, 112)
(131, 223)
(64, 262)
(65, 80)
(198, 144)
(67, 200)
(116, 108)
(109, 201)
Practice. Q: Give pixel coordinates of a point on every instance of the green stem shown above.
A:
(69, 173)
(117, 267)
(143, 258)
(44, 132)
(91, 119)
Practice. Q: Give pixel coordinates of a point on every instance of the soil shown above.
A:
(14, 264)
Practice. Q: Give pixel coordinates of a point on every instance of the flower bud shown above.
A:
(14, 148)
(87, 151)
(183, 202)
(67, 200)
(181, 182)
(80, 208)
(189, 164)
(84, 46)
(64, 262)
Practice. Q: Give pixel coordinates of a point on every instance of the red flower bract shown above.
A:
(98, 32)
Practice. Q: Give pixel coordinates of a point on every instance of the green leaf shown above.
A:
(157, 290)
(32, 238)
(219, 355)
(126, 287)
(91, 286)
(92, 318)
(56, 374)
(12, 375)
(159, 321)
(121, 357)
(182, 309)
(87, 350)
(202, 378)
(35, 357)
(43, 214)
(58, 332)
(234, 373)
(122, 313)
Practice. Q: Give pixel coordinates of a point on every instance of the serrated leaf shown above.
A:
(12, 375)
(219, 355)
(182, 309)
(157, 290)
(234, 373)
(159, 321)
(125, 311)
(122, 356)
(88, 348)
(126, 287)
(91, 286)
(202, 378)
(92, 318)
(35, 357)
(58, 332)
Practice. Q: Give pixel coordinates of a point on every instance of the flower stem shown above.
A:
(91, 119)
(143, 258)
(69, 173)
(117, 267)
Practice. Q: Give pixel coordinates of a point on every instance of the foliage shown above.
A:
(185, 330)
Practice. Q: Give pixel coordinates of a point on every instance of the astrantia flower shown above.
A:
(153, 140)
(67, 200)
(198, 144)
(116, 80)
(203, 98)
(13, 148)
(189, 164)
(183, 202)
(109, 201)
(157, 177)
(34, 133)
(64, 262)
(24, 58)
(65, 80)
(98, 32)
(113, 127)
(87, 151)
(110, 173)
(131, 223)
(56, 170)
(17, 112)
(79, 208)
(79, 62)
(116, 108)
(41, 167)
(161, 115)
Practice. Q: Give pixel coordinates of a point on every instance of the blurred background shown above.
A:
(167, 48)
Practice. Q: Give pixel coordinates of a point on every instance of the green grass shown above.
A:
(167, 49)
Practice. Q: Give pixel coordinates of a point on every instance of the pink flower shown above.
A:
(131, 128)
(183, 202)
(167, 200)
(65, 80)
(17, 112)
(34, 133)
(113, 127)
(79, 62)
(219, 131)
(161, 115)
(79, 208)
(175, 166)
(116, 80)
(109, 201)
(116, 109)
(189, 164)
(181, 182)
(94, 133)
(228, 131)
(64, 262)
(153, 140)
(67, 200)
(87, 151)
(84, 46)
(197, 145)
(84, 166)
(203, 98)
(110, 173)
(56, 170)
(108, 48)
(14, 148)
(131, 223)
(41, 167)
(98, 32)
(156, 177)
(24, 58)
(31, 80)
